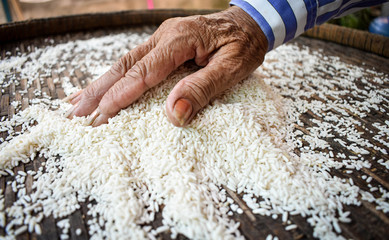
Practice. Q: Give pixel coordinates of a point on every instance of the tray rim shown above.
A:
(42, 27)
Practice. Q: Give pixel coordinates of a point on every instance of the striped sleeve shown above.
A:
(283, 20)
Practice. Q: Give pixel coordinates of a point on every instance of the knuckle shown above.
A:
(92, 92)
(165, 26)
(90, 98)
(117, 68)
(123, 64)
(138, 73)
(171, 21)
(178, 27)
(125, 61)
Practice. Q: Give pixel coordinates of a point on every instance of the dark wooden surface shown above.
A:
(367, 222)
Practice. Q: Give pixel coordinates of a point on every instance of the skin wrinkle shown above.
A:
(110, 98)
(92, 96)
(174, 55)
(138, 73)
(202, 90)
(197, 97)
(127, 63)
(170, 62)
(117, 68)
(119, 91)
(228, 45)
(201, 56)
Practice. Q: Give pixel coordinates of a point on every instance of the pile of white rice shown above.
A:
(140, 164)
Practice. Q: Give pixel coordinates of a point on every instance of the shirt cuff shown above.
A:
(280, 20)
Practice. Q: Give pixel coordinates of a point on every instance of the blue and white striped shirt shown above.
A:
(283, 20)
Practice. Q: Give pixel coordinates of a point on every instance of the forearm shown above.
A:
(283, 20)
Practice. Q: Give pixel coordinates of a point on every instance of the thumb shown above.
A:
(195, 91)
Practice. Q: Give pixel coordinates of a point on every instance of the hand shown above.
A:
(229, 45)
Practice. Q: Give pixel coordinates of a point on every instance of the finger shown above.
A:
(91, 96)
(71, 110)
(146, 73)
(73, 98)
(194, 92)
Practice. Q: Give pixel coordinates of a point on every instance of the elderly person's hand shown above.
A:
(229, 45)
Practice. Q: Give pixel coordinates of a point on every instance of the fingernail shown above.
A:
(69, 114)
(92, 118)
(69, 98)
(182, 110)
(101, 119)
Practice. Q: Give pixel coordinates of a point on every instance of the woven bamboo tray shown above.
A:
(367, 222)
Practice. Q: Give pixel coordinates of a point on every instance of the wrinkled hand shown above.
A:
(229, 45)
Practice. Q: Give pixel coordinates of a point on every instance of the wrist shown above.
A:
(248, 25)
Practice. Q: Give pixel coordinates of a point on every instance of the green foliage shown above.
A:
(358, 20)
